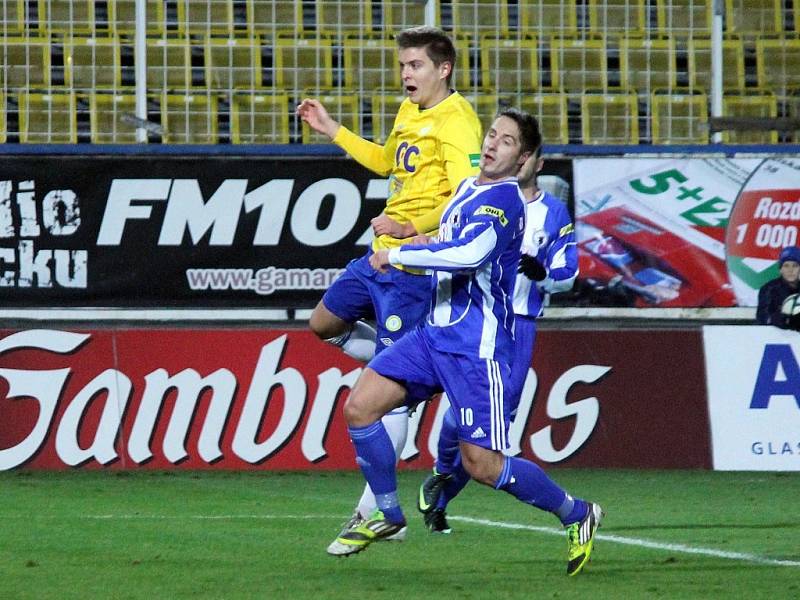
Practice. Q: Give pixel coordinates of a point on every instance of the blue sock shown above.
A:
(376, 458)
(526, 481)
(447, 449)
(460, 478)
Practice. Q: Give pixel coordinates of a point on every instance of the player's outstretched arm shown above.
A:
(313, 112)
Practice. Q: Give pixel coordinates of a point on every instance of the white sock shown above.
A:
(358, 343)
(396, 423)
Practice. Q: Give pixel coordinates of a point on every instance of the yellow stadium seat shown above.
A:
(384, 109)
(684, 18)
(791, 103)
(486, 105)
(169, 64)
(270, 17)
(401, 14)
(206, 17)
(757, 104)
(371, 63)
(342, 106)
(778, 64)
(92, 62)
(480, 17)
(578, 64)
(341, 18)
(259, 118)
(609, 118)
(3, 118)
(73, 16)
(679, 116)
(699, 54)
(189, 118)
(509, 64)
(122, 17)
(551, 110)
(47, 118)
(647, 64)
(112, 118)
(544, 18)
(15, 15)
(754, 18)
(233, 62)
(26, 62)
(301, 62)
(617, 17)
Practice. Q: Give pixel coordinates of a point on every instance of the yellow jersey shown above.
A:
(427, 154)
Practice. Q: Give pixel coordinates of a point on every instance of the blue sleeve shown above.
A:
(562, 252)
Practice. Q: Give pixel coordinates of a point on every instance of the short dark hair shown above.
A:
(438, 46)
(529, 133)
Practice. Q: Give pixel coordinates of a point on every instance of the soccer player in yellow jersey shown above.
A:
(434, 145)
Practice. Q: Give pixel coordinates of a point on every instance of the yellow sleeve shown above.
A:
(368, 154)
(460, 150)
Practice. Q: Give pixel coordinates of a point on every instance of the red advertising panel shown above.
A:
(271, 399)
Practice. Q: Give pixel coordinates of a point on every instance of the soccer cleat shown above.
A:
(361, 535)
(580, 538)
(430, 490)
(436, 521)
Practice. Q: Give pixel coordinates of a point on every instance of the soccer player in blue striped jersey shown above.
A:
(465, 347)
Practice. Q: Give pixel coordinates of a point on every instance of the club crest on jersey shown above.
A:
(393, 323)
(493, 211)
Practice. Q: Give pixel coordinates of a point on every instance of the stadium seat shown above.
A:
(609, 118)
(683, 18)
(14, 17)
(778, 64)
(551, 111)
(384, 110)
(509, 65)
(754, 18)
(259, 118)
(401, 14)
(791, 105)
(271, 17)
(47, 118)
(26, 62)
(645, 64)
(370, 63)
(479, 17)
(169, 64)
(762, 104)
(543, 18)
(206, 17)
(233, 62)
(699, 55)
(189, 118)
(301, 62)
(3, 118)
(617, 17)
(92, 63)
(679, 117)
(122, 17)
(111, 117)
(340, 18)
(486, 105)
(66, 16)
(578, 64)
(341, 105)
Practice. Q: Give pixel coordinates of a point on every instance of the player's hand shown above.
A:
(379, 260)
(420, 240)
(532, 268)
(312, 112)
(383, 225)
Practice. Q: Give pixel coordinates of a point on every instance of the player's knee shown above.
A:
(325, 324)
(481, 464)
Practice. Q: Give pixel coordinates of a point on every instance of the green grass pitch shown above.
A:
(667, 534)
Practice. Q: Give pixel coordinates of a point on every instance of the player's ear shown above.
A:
(539, 164)
(445, 68)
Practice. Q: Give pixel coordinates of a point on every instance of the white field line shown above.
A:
(617, 539)
(683, 548)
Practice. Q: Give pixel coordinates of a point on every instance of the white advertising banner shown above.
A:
(753, 377)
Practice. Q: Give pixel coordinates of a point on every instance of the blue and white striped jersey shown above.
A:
(475, 262)
(550, 237)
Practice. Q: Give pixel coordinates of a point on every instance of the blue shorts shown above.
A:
(475, 387)
(524, 338)
(397, 300)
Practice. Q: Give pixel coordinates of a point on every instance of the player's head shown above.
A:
(789, 261)
(530, 169)
(427, 59)
(511, 139)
